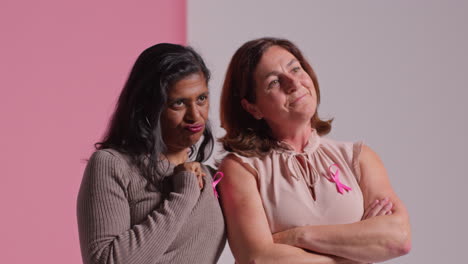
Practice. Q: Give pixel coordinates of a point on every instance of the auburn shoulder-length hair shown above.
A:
(244, 134)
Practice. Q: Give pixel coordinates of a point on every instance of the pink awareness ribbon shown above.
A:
(216, 179)
(335, 177)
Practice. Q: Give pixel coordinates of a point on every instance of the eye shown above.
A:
(274, 83)
(177, 104)
(296, 69)
(202, 98)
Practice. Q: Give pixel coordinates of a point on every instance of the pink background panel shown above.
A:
(62, 65)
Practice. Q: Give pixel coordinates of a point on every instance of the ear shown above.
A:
(251, 109)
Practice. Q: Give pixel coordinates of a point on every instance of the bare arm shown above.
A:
(373, 239)
(249, 234)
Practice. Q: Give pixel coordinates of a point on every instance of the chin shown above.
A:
(193, 139)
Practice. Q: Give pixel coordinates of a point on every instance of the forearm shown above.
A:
(280, 253)
(372, 240)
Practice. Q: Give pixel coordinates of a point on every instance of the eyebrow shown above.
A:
(293, 60)
(170, 99)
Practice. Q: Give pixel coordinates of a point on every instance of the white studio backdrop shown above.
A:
(392, 73)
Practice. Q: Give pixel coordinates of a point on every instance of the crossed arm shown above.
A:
(373, 239)
(249, 234)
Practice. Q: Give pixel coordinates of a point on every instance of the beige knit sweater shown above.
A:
(122, 218)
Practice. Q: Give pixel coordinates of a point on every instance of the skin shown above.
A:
(285, 95)
(286, 99)
(373, 239)
(187, 105)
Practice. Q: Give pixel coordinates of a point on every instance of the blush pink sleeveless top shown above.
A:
(297, 189)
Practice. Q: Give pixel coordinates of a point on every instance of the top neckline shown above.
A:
(312, 144)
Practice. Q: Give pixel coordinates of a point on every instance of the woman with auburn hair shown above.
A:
(145, 196)
(291, 195)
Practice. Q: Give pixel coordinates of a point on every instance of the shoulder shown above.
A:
(348, 148)
(109, 154)
(368, 156)
(108, 162)
(103, 155)
(235, 161)
(328, 142)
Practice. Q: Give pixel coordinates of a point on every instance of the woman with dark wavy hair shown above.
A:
(145, 197)
(291, 195)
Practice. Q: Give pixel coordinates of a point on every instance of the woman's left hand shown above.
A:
(288, 237)
(378, 207)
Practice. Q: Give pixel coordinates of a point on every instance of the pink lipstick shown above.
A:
(195, 128)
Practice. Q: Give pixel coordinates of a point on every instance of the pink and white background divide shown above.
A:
(62, 66)
(392, 73)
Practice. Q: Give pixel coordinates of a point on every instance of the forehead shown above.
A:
(193, 84)
(274, 56)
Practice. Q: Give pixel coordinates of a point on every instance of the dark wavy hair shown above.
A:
(245, 134)
(135, 127)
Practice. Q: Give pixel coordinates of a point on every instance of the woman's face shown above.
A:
(284, 91)
(183, 120)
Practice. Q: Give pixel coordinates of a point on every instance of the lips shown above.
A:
(298, 98)
(195, 128)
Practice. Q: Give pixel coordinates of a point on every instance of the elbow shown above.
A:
(401, 242)
(404, 246)
(399, 248)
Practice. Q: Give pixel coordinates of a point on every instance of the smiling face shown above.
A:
(183, 120)
(285, 93)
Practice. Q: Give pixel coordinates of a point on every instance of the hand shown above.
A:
(378, 207)
(288, 237)
(194, 167)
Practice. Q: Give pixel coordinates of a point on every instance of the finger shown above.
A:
(388, 207)
(377, 208)
(369, 209)
(195, 167)
(200, 183)
(385, 205)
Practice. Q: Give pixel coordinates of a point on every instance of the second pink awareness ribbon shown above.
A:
(216, 179)
(335, 177)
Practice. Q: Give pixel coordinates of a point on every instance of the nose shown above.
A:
(192, 114)
(291, 84)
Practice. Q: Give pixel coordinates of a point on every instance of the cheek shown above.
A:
(171, 119)
(204, 110)
(271, 104)
(310, 86)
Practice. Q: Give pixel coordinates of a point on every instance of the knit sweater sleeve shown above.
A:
(106, 234)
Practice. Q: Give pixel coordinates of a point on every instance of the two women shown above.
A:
(142, 200)
(289, 194)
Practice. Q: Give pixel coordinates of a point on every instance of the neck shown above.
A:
(177, 157)
(296, 136)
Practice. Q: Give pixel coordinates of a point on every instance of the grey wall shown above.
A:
(392, 73)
